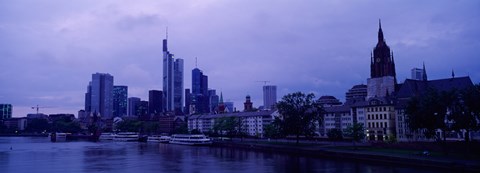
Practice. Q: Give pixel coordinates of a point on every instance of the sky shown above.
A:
(49, 49)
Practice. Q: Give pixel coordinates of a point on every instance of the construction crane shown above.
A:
(264, 81)
(38, 107)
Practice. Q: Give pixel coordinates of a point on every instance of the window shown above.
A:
(385, 124)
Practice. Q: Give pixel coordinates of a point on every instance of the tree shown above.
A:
(335, 134)
(428, 112)
(38, 125)
(274, 129)
(227, 125)
(356, 132)
(465, 111)
(300, 112)
(129, 126)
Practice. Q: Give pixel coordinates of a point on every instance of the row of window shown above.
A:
(377, 117)
(377, 125)
(376, 109)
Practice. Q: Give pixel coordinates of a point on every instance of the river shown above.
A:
(38, 154)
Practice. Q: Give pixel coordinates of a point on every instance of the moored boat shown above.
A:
(159, 139)
(190, 139)
(106, 137)
(126, 136)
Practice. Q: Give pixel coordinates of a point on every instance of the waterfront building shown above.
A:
(380, 119)
(269, 96)
(172, 81)
(99, 96)
(132, 105)
(120, 95)
(329, 101)
(155, 102)
(5, 111)
(251, 123)
(16, 123)
(188, 101)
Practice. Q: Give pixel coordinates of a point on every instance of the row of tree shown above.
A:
(44, 126)
(445, 110)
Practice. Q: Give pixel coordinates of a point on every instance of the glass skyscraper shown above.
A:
(99, 96)
(172, 81)
(269, 96)
(120, 95)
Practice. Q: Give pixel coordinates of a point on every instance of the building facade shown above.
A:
(100, 95)
(155, 102)
(172, 81)
(5, 111)
(132, 105)
(120, 101)
(269, 96)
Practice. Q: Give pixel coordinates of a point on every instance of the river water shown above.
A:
(38, 154)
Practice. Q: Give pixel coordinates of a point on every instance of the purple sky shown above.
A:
(49, 49)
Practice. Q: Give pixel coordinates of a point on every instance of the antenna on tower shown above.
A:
(196, 65)
(166, 33)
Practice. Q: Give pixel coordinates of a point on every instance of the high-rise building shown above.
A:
(200, 91)
(188, 101)
(356, 93)
(248, 105)
(214, 100)
(419, 74)
(172, 81)
(99, 96)
(5, 111)
(132, 105)
(269, 96)
(142, 110)
(120, 95)
(155, 102)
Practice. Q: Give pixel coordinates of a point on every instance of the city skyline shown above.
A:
(320, 47)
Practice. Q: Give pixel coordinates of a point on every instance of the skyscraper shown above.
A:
(5, 111)
(419, 74)
(200, 91)
(155, 102)
(99, 97)
(213, 100)
(132, 105)
(120, 95)
(172, 81)
(188, 101)
(269, 96)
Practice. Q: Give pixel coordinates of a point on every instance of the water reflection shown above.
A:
(40, 155)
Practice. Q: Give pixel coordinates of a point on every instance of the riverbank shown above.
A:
(345, 151)
(23, 135)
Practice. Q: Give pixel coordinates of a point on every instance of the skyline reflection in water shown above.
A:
(38, 154)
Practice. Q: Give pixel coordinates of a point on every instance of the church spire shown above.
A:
(221, 97)
(424, 77)
(380, 32)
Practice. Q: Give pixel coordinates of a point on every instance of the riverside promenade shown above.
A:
(364, 152)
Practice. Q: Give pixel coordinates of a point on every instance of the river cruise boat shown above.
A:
(106, 137)
(186, 139)
(159, 139)
(58, 137)
(126, 136)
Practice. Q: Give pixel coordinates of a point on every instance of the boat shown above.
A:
(159, 139)
(106, 137)
(187, 139)
(126, 136)
(58, 137)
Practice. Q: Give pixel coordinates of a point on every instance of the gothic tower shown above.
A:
(382, 62)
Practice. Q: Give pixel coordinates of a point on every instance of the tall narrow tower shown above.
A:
(172, 81)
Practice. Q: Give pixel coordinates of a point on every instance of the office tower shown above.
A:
(172, 81)
(269, 96)
(120, 95)
(188, 101)
(132, 105)
(5, 111)
(155, 102)
(419, 74)
(248, 105)
(213, 100)
(99, 96)
(200, 91)
(142, 110)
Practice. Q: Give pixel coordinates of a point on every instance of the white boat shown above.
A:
(160, 139)
(126, 136)
(106, 136)
(58, 137)
(186, 139)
